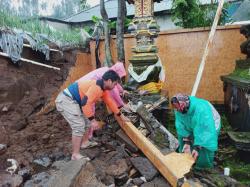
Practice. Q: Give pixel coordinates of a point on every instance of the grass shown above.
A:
(238, 169)
(34, 27)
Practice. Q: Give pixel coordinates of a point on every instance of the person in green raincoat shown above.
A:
(198, 125)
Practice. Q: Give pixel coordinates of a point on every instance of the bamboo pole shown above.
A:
(32, 62)
(27, 45)
(208, 45)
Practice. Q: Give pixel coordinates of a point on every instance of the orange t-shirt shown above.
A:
(92, 90)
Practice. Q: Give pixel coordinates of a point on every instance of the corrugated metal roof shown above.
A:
(243, 12)
(111, 8)
(112, 5)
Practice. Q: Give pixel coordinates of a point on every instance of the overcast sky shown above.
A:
(51, 3)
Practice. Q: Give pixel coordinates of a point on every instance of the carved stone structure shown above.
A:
(237, 88)
(145, 29)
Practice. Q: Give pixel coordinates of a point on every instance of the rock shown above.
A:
(20, 125)
(45, 161)
(4, 138)
(122, 179)
(145, 167)
(56, 156)
(120, 135)
(25, 173)
(138, 181)
(27, 93)
(66, 172)
(45, 138)
(100, 168)
(7, 179)
(88, 177)
(5, 109)
(118, 168)
(40, 179)
(91, 153)
(3, 148)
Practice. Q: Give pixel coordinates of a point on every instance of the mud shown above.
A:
(23, 92)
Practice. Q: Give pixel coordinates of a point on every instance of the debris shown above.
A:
(118, 168)
(25, 173)
(14, 166)
(21, 124)
(159, 182)
(145, 167)
(7, 179)
(159, 134)
(138, 181)
(40, 179)
(5, 109)
(120, 135)
(3, 148)
(122, 179)
(133, 173)
(67, 172)
(45, 161)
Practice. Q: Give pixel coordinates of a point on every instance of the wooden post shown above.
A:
(208, 45)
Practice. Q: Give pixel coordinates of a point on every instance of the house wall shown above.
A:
(165, 22)
(181, 52)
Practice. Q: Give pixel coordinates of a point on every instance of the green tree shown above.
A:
(191, 14)
(84, 5)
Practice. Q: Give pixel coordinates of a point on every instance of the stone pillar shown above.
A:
(145, 29)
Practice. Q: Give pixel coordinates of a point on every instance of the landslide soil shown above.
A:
(24, 91)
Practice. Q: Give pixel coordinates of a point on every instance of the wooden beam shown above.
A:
(32, 62)
(208, 45)
(172, 166)
(54, 50)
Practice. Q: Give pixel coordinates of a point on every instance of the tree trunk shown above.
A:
(120, 30)
(108, 57)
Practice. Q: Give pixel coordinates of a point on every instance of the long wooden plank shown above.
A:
(54, 50)
(208, 45)
(172, 166)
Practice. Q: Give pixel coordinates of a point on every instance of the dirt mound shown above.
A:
(23, 92)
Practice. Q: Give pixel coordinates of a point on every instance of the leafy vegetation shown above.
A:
(34, 26)
(112, 24)
(238, 169)
(191, 14)
(242, 73)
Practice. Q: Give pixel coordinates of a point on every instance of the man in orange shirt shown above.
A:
(76, 102)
